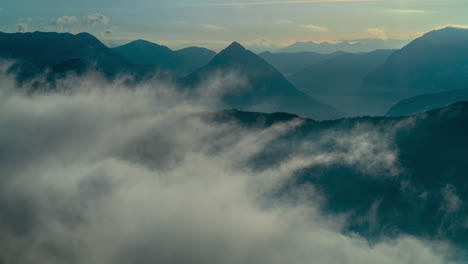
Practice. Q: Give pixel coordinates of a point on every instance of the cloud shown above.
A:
(451, 201)
(275, 3)
(22, 27)
(66, 19)
(407, 11)
(378, 32)
(452, 26)
(315, 28)
(62, 21)
(213, 27)
(96, 19)
(109, 31)
(103, 173)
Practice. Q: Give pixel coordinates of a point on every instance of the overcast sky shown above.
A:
(215, 23)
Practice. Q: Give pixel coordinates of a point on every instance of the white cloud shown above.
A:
(96, 19)
(452, 26)
(408, 11)
(22, 27)
(452, 202)
(61, 22)
(315, 28)
(67, 19)
(378, 32)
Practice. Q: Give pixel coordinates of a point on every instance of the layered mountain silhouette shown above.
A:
(289, 63)
(337, 80)
(192, 58)
(258, 85)
(437, 61)
(423, 199)
(183, 61)
(426, 102)
(46, 49)
(352, 46)
(147, 53)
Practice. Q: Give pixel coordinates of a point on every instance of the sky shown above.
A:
(216, 23)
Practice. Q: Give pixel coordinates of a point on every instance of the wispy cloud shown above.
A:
(452, 26)
(22, 27)
(315, 28)
(63, 20)
(276, 3)
(96, 19)
(407, 11)
(378, 32)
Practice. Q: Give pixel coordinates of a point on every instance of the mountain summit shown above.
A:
(147, 53)
(46, 49)
(38, 51)
(260, 86)
(183, 62)
(437, 61)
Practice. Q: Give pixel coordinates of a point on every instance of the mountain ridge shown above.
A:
(267, 89)
(183, 61)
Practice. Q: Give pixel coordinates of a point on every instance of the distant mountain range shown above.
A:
(352, 46)
(289, 63)
(338, 80)
(45, 50)
(435, 62)
(182, 62)
(265, 88)
(361, 83)
(371, 83)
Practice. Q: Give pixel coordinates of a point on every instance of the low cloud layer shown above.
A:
(101, 173)
(315, 28)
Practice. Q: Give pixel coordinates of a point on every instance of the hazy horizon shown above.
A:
(214, 24)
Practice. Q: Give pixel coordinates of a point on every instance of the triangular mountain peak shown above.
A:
(144, 44)
(265, 88)
(235, 55)
(235, 46)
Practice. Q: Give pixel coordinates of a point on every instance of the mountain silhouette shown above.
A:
(192, 58)
(47, 49)
(435, 62)
(337, 80)
(183, 61)
(426, 102)
(289, 63)
(352, 46)
(259, 85)
(147, 53)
